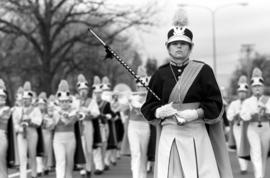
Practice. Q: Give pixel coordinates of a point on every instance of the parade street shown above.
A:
(122, 170)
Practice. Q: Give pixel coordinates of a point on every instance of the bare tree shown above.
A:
(56, 31)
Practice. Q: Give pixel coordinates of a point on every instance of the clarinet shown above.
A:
(260, 116)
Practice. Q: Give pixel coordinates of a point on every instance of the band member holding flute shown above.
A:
(88, 109)
(233, 115)
(256, 110)
(5, 113)
(27, 119)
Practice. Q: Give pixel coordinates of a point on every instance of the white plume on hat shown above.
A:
(2, 88)
(97, 86)
(180, 18)
(27, 91)
(63, 91)
(242, 83)
(257, 78)
(106, 85)
(142, 74)
(82, 82)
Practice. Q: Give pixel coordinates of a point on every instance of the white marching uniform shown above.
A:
(88, 108)
(259, 137)
(4, 117)
(27, 137)
(138, 136)
(64, 142)
(233, 115)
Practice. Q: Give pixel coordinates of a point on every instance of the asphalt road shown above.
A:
(122, 170)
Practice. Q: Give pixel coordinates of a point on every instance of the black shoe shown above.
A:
(243, 172)
(98, 172)
(39, 174)
(114, 163)
(83, 175)
(106, 167)
(88, 174)
(46, 172)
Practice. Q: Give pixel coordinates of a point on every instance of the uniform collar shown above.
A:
(172, 62)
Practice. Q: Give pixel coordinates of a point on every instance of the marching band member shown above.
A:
(233, 115)
(108, 128)
(99, 136)
(256, 110)
(189, 113)
(5, 113)
(64, 141)
(88, 109)
(27, 120)
(18, 104)
(138, 130)
(46, 161)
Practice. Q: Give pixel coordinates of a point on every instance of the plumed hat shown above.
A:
(2, 88)
(27, 91)
(179, 31)
(106, 85)
(42, 98)
(141, 73)
(63, 92)
(257, 78)
(82, 82)
(97, 85)
(242, 84)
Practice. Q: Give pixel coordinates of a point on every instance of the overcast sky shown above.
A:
(235, 25)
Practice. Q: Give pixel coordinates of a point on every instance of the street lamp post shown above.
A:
(213, 15)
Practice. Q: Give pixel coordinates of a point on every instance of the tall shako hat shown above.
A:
(19, 93)
(242, 84)
(141, 72)
(257, 79)
(42, 98)
(2, 88)
(106, 85)
(27, 91)
(63, 92)
(82, 82)
(97, 86)
(179, 31)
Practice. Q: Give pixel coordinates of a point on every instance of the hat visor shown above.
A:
(26, 96)
(2, 93)
(179, 38)
(242, 90)
(257, 84)
(64, 98)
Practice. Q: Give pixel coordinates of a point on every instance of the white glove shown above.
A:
(165, 111)
(188, 114)
(108, 116)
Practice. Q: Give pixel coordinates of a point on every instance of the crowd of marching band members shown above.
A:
(68, 131)
(250, 120)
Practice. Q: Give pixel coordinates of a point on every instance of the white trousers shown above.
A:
(3, 154)
(99, 153)
(28, 145)
(110, 156)
(98, 159)
(237, 135)
(87, 142)
(259, 139)
(138, 136)
(64, 145)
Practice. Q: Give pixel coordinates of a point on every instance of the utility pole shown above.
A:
(247, 52)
